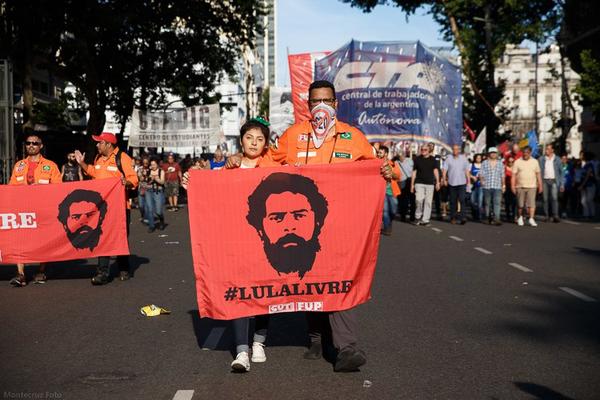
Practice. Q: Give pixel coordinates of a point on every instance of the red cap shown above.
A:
(106, 136)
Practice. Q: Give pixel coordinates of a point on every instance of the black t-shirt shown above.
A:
(424, 167)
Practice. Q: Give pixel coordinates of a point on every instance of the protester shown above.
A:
(424, 180)
(186, 163)
(325, 140)
(71, 171)
(515, 152)
(476, 190)
(108, 165)
(564, 198)
(526, 180)
(510, 199)
(142, 173)
(406, 200)
(392, 190)
(587, 187)
(33, 170)
(154, 197)
(492, 182)
(218, 160)
(441, 197)
(455, 175)
(553, 182)
(172, 181)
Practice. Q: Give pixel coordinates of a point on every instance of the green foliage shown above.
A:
(126, 53)
(54, 115)
(588, 88)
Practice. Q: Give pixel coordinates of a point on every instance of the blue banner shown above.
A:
(400, 91)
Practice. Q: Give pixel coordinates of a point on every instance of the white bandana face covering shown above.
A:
(323, 118)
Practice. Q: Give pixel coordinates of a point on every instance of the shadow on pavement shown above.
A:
(540, 392)
(588, 252)
(284, 330)
(72, 269)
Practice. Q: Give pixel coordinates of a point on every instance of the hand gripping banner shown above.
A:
(66, 221)
(285, 239)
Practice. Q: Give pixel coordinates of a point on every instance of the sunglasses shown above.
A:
(32, 143)
(317, 101)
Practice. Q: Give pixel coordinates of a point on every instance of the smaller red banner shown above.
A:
(67, 221)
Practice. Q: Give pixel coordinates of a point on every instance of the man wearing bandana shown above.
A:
(325, 140)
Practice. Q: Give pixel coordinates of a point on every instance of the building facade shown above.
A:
(517, 69)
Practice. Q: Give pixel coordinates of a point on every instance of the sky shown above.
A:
(320, 25)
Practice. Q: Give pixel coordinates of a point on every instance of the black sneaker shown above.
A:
(150, 230)
(100, 279)
(313, 352)
(124, 276)
(349, 359)
(19, 281)
(423, 223)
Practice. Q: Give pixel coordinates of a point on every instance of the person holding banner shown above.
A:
(110, 163)
(325, 140)
(33, 170)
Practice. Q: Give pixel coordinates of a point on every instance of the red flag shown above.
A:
(469, 131)
(67, 221)
(285, 239)
(301, 76)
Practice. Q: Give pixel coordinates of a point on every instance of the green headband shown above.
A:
(261, 121)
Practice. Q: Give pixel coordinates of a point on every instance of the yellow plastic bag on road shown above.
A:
(152, 311)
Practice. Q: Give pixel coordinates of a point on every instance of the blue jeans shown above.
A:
(476, 202)
(155, 202)
(550, 195)
(495, 196)
(390, 203)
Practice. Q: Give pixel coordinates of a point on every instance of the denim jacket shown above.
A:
(558, 171)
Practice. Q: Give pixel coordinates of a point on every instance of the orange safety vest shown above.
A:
(296, 146)
(46, 172)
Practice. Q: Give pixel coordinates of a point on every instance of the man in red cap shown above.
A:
(110, 163)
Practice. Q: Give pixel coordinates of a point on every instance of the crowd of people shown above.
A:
(496, 187)
(413, 187)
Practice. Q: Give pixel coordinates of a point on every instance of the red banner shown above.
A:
(66, 221)
(301, 76)
(285, 239)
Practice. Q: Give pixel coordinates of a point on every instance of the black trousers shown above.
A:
(341, 325)
(457, 196)
(122, 261)
(406, 202)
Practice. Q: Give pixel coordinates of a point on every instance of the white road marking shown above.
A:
(438, 230)
(597, 227)
(456, 238)
(482, 250)
(566, 221)
(519, 266)
(579, 295)
(184, 395)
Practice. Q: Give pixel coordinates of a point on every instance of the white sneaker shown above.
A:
(241, 362)
(520, 221)
(258, 352)
(532, 222)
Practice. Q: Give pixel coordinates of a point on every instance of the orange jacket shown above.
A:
(106, 167)
(294, 146)
(46, 172)
(394, 182)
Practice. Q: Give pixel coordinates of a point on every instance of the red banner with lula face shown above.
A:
(285, 239)
(66, 221)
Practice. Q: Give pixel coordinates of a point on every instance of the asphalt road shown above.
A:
(450, 318)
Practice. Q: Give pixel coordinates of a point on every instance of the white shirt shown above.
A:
(549, 168)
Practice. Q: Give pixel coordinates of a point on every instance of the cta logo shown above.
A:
(366, 74)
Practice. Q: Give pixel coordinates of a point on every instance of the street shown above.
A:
(458, 312)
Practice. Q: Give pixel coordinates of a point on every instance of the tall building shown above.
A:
(266, 46)
(517, 68)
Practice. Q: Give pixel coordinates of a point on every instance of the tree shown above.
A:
(588, 87)
(29, 34)
(480, 31)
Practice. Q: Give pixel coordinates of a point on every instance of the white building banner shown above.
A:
(187, 127)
